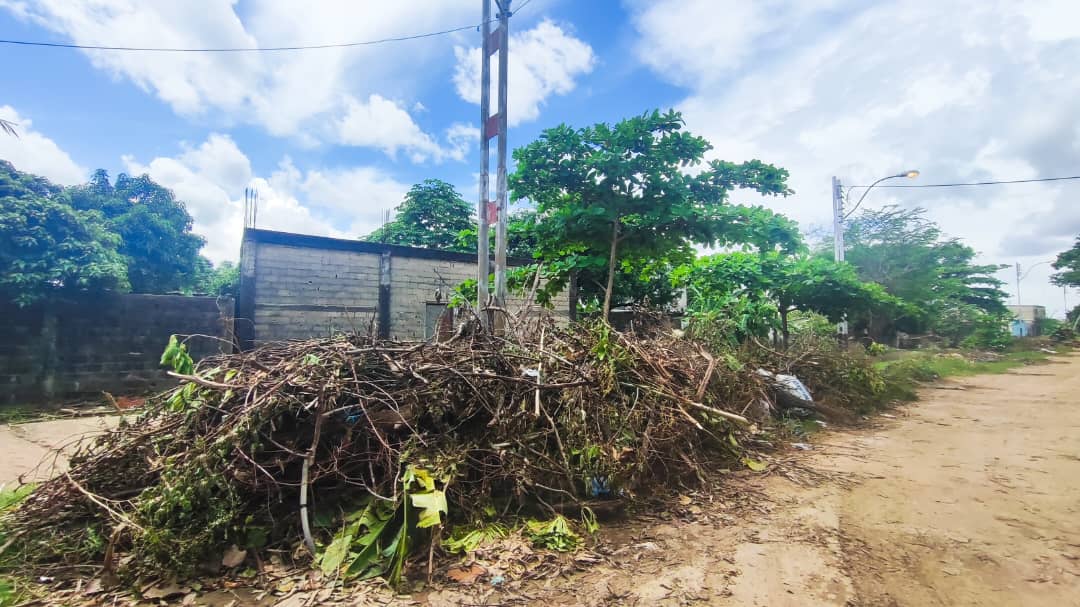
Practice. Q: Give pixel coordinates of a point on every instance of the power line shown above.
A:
(972, 183)
(94, 47)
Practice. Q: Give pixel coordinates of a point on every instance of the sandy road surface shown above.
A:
(24, 446)
(969, 497)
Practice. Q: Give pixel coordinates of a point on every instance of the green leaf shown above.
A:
(754, 465)
(431, 505)
(334, 555)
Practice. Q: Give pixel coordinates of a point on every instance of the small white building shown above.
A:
(1026, 320)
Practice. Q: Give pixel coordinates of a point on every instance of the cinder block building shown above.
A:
(295, 286)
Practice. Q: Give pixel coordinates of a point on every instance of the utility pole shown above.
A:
(838, 240)
(500, 184)
(1018, 283)
(491, 126)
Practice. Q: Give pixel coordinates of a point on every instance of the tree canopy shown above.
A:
(432, 215)
(48, 246)
(131, 234)
(908, 255)
(1068, 266)
(788, 282)
(154, 228)
(631, 200)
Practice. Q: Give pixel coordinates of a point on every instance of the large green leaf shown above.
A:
(431, 504)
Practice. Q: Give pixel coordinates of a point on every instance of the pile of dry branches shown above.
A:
(254, 449)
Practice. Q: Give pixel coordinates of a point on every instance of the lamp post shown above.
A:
(1019, 277)
(838, 222)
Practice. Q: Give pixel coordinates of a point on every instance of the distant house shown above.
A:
(1026, 320)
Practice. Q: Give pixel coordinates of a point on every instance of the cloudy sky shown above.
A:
(961, 90)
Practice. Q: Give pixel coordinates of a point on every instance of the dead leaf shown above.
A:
(465, 575)
(286, 586)
(234, 557)
(294, 600)
(164, 591)
(94, 587)
(685, 500)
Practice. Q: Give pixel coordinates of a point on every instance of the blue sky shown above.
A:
(972, 90)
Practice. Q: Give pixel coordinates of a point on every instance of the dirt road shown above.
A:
(969, 497)
(28, 449)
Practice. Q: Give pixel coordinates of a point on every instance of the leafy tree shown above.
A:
(1068, 262)
(46, 246)
(630, 199)
(154, 227)
(520, 235)
(907, 254)
(221, 280)
(790, 282)
(432, 215)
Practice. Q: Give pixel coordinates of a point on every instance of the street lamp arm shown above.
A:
(1032, 267)
(870, 187)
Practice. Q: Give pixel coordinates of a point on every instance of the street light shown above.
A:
(838, 208)
(838, 221)
(1019, 277)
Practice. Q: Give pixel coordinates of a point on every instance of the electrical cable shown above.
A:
(95, 47)
(973, 183)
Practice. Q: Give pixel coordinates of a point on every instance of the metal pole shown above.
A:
(1018, 283)
(482, 249)
(838, 239)
(500, 184)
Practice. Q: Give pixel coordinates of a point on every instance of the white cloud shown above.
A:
(544, 61)
(33, 152)
(383, 124)
(861, 91)
(210, 179)
(296, 94)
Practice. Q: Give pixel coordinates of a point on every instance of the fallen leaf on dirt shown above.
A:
(465, 575)
(754, 465)
(234, 557)
(294, 600)
(164, 591)
(286, 586)
(94, 587)
(685, 500)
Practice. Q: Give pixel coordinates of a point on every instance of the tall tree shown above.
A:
(432, 215)
(908, 255)
(790, 282)
(47, 247)
(1068, 266)
(154, 227)
(630, 196)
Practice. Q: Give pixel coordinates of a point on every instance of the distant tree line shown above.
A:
(130, 234)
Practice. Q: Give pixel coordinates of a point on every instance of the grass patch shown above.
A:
(903, 375)
(13, 591)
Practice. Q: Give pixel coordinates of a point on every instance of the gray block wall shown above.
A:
(296, 286)
(74, 348)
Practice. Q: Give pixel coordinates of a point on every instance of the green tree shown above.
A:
(48, 247)
(630, 199)
(432, 215)
(154, 227)
(790, 282)
(520, 235)
(223, 279)
(1068, 264)
(908, 255)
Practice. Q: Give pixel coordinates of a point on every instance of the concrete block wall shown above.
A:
(296, 286)
(81, 347)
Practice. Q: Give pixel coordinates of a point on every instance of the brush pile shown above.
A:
(387, 444)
